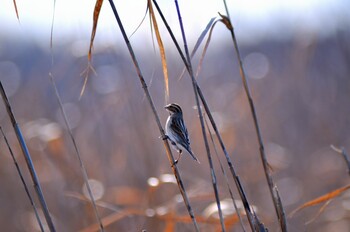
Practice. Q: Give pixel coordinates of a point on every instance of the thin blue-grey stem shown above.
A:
(272, 187)
(23, 181)
(29, 161)
(239, 186)
(225, 176)
(161, 130)
(81, 163)
(194, 84)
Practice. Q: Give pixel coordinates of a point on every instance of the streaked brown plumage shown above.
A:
(176, 130)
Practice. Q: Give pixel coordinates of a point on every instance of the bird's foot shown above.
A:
(165, 137)
(175, 163)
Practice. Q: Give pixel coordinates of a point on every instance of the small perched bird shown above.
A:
(176, 131)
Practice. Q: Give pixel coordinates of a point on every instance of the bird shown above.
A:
(176, 131)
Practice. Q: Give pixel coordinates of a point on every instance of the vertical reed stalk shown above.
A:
(194, 84)
(28, 159)
(161, 130)
(246, 204)
(81, 163)
(23, 181)
(273, 188)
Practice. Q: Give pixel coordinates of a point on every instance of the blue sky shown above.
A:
(253, 19)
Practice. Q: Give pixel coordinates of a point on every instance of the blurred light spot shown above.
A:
(196, 108)
(73, 115)
(290, 190)
(153, 181)
(178, 198)
(150, 212)
(41, 131)
(10, 77)
(256, 65)
(277, 156)
(220, 120)
(227, 208)
(168, 178)
(97, 189)
(107, 80)
(31, 129)
(50, 131)
(80, 48)
(162, 210)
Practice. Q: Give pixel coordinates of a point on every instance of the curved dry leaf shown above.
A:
(161, 50)
(142, 20)
(320, 199)
(205, 49)
(15, 5)
(225, 20)
(86, 74)
(97, 10)
(198, 43)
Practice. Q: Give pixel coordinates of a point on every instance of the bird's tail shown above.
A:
(192, 155)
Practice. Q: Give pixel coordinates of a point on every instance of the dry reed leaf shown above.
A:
(225, 20)
(198, 43)
(86, 72)
(320, 199)
(161, 50)
(205, 49)
(97, 10)
(15, 5)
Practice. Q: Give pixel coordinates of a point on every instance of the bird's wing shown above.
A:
(180, 129)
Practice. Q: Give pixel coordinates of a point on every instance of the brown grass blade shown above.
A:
(156, 117)
(16, 9)
(170, 225)
(161, 50)
(97, 10)
(267, 168)
(86, 72)
(321, 199)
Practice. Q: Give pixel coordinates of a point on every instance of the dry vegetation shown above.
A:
(302, 104)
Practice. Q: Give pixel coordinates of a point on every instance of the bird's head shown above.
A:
(173, 108)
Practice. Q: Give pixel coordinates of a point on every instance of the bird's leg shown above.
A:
(178, 158)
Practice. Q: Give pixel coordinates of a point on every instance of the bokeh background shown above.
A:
(296, 55)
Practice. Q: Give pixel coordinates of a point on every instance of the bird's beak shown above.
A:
(166, 107)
